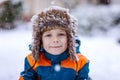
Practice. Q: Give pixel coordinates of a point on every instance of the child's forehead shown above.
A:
(54, 28)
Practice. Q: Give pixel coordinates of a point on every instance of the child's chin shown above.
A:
(54, 53)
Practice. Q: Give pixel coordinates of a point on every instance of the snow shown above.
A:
(103, 53)
(57, 8)
(13, 49)
(53, 2)
(34, 18)
(96, 18)
(57, 68)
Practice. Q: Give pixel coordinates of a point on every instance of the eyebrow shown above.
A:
(61, 30)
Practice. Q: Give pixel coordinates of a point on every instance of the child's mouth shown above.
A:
(56, 46)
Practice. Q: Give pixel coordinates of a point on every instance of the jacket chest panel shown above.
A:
(49, 73)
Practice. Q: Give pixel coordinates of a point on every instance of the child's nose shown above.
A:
(55, 39)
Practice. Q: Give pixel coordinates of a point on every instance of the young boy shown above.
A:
(53, 54)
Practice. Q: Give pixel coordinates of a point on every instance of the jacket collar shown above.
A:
(56, 59)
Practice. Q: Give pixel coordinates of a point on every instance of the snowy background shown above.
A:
(101, 48)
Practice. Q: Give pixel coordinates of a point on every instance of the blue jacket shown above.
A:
(55, 67)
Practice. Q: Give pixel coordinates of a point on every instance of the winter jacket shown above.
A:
(55, 67)
(77, 44)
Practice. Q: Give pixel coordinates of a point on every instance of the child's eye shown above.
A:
(48, 35)
(61, 34)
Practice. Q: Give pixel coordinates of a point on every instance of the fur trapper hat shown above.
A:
(51, 18)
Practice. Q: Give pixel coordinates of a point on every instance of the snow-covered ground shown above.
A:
(103, 53)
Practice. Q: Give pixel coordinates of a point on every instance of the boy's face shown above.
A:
(55, 41)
